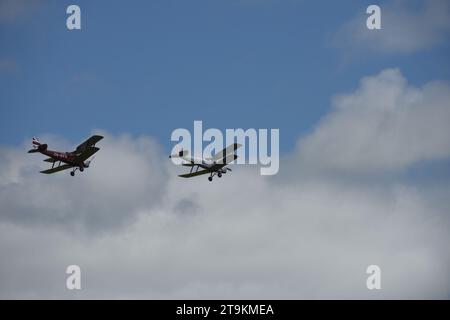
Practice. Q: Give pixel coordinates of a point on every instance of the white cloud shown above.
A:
(309, 241)
(386, 125)
(151, 234)
(123, 178)
(405, 28)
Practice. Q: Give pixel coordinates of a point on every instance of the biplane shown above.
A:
(217, 165)
(75, 160)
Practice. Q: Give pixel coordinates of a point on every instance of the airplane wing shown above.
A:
(190, 164)
(88, 143)
(229, 158)
(194, 174)
(60, 168)
(50, 160)
(222, 155)
(87, 153)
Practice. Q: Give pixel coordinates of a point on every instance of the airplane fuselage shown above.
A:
(205, 164)
(66, 157)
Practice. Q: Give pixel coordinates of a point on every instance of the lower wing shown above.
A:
(194, 174)
(60, 168)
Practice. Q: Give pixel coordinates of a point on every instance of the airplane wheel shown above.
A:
(72, 173)
(210, 178)
(81, 169)
(219, 175)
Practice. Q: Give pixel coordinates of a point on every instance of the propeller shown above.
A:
(88, 163)
(224, 170)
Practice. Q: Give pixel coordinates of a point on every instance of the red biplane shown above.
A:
(75, 160)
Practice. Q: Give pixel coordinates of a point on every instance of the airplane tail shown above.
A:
(182, 153)
(35, 142)
(37, 146)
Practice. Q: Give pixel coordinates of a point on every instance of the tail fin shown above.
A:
(37, 146)
(35, 142)
(180, 154)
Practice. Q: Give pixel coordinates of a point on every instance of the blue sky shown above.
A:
(148, 67)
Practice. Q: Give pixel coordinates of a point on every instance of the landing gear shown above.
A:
(72, 173)
(219, 174)
(210, 178)
(81, 169)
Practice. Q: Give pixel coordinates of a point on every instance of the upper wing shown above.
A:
(60, 168)
(88, 143)
(88, 152)
(229, 158)
(223, 155)
(193, 174)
